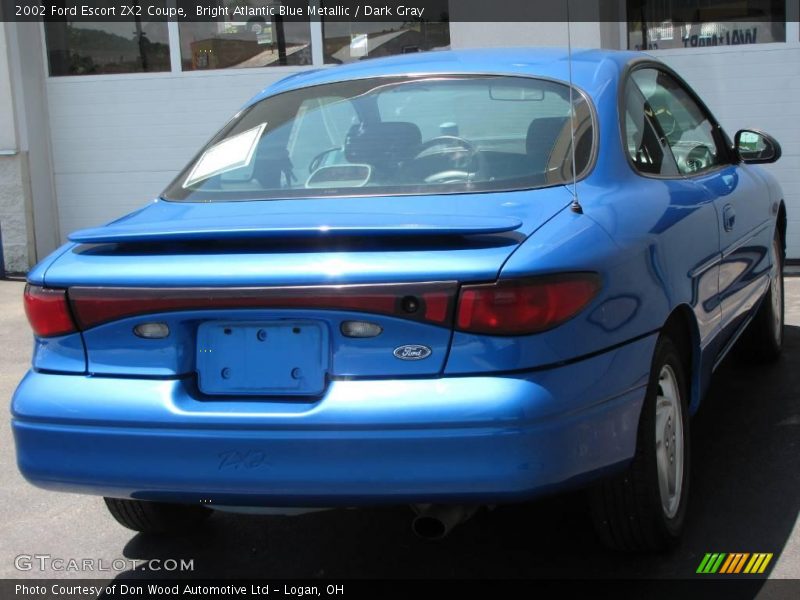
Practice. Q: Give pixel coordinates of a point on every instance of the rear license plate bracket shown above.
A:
(262, 358)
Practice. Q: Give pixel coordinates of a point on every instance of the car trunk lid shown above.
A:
(272, 268)
(464, 237)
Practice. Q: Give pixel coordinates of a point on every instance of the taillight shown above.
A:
(431, 302)
(48, 311)
(519, 307)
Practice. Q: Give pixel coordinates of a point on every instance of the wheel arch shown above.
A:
(781, 226)
(681, 327)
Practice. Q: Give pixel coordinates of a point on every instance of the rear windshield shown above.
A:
(386, 136)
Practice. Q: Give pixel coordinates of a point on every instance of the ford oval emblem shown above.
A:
(412, 352)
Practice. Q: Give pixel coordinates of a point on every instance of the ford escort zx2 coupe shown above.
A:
(446, 280)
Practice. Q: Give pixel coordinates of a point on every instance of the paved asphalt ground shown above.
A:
(745, 498)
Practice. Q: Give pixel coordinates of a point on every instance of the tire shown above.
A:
(629, 511)
(762, 341)
(156, 517)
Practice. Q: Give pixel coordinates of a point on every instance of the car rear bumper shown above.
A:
(442, 439)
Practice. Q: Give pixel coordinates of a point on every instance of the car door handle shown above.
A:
(728, 217)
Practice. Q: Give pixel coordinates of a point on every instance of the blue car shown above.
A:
(448, 280)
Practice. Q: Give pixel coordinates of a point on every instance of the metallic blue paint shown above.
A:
(483, 417)
(63, 354)
(454, 438)
(175, 355)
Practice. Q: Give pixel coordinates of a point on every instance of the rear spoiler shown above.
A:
(301, 225)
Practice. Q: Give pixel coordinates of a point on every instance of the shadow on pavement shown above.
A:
(744, 498)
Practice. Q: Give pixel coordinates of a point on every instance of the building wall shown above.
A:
(14, 213)
(493, 35)
(14, 191)
(118, 140)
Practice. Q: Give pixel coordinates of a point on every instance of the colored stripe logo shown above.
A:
(734, 563)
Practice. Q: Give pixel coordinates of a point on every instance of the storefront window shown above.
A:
(236, 41)
(81, 48)
(348, 42)
(664, 24)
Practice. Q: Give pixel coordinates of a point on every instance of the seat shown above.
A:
(383, 145)
(543, 133)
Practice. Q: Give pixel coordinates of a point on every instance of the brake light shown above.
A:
(519, 307)
(48, 311)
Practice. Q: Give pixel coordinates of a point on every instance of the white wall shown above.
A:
(492, 35)
(26, 62)
(118, 140)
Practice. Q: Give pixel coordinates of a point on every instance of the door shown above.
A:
(687, 227)
(703, 155)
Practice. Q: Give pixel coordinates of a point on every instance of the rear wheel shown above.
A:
(763, 340)
(644, 508)
(156, 517)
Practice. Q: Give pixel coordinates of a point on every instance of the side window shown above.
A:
(694, 140)
(646, 148)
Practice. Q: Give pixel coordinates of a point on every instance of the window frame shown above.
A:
(724, 141)
(45, 58)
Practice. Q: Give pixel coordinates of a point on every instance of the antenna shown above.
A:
(576, 205)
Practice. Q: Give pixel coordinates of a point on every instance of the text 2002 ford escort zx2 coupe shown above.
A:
(376, 285)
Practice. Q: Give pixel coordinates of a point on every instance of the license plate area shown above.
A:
(278, 358)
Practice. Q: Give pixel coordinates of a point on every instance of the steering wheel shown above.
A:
(667, 121)
(698, 158)
(451, 176)
(449, 144)
(458, 171)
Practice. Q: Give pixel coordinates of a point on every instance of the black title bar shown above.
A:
(390, 11)
(125, 588)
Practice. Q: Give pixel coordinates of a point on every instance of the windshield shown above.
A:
(383, 136)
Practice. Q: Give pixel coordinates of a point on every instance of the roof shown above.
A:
(591, 69)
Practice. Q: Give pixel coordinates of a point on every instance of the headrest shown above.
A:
(542, 136)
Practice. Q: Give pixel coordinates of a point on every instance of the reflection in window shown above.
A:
(89, 48)
(662, 24)
(242, 43)
(349, 42)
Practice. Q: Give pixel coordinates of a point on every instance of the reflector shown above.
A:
(360, 329)
(151, 331)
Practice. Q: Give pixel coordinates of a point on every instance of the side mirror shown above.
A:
(756, 147)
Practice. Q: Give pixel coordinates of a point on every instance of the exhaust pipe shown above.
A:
(436, 521)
